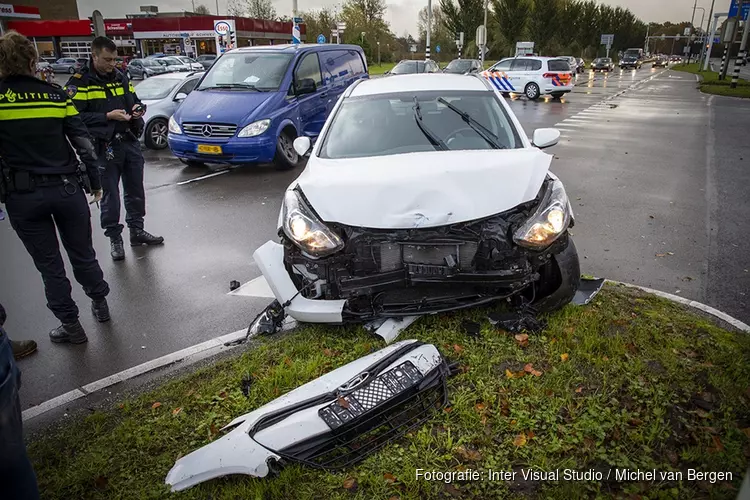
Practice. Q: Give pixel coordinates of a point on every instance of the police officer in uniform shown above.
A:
(43, 184)
(112, 112)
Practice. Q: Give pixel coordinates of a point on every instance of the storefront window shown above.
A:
(75, 49)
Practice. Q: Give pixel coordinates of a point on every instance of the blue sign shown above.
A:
(734, 7)
(321, 38)
(298, 20)
(437, 48)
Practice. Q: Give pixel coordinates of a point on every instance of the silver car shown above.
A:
(68, 65)
(192, 63)
(162, 94)
(144, 68)
(174, 64)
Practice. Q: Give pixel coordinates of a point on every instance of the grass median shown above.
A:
(629, 381)
(711, 84)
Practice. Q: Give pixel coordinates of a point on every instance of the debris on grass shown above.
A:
(516, 322)
(587, 290)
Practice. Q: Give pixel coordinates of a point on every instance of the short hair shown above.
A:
(17, 53)
(102, 42)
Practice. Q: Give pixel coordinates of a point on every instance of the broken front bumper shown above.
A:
(331, 422)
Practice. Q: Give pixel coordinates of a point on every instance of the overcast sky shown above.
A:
(401, 14)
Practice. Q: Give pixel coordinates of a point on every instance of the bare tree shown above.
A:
(202, 9)
(236, 8)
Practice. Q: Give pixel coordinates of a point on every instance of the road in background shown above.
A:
(642, 154)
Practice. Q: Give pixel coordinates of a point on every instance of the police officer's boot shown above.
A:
(117, 250)
(140, 237)
(69, 332)
(100, 309)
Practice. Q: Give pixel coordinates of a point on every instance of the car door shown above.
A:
(312, 107)
(518, 74)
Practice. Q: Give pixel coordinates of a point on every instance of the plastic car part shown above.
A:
(587, 289)
(268, 322)
(389, 328)
(331, 422)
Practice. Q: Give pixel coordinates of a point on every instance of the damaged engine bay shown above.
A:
(405, 272)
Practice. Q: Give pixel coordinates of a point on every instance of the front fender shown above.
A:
(283, 124)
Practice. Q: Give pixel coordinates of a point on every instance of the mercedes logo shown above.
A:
(207, 131)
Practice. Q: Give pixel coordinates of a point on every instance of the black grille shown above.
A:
(454, 255)
(392, 417)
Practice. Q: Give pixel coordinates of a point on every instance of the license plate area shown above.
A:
(209, 149)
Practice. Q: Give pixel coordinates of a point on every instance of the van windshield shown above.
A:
(257, 71)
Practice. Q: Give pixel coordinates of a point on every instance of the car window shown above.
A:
(156, 88)
(339, 64)
(519, 65)
(407, 67)
(265, 71)
(188, 86)
(309, 67)
(387, 124)
(503, 65)
(534, 65)
(558, 65)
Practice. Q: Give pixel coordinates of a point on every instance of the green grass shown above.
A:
(629, 381)
(711, 84)
(374, 69)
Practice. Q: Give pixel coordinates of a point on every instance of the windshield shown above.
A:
(169, 61)
(157, 88)
(631, 53)
(407, 67)
(460, 66)
(262, 71)
(150, 62)
(409, 122)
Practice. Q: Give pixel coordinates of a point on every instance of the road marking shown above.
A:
(149, 366)
(203, 177)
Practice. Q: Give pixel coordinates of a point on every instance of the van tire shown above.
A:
(532, 91)
(286, 157)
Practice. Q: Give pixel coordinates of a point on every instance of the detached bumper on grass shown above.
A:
(331, 422)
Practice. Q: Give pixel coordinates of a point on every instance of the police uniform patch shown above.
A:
(72, 90)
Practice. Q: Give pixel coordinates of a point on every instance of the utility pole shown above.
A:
(740, 55)
(429, 28)
(692, 29)
(704, 52)
(484, 47)
(728, 46)
(217, 7)
(648, 28)
(378, 52)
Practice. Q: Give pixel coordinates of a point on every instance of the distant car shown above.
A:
(603, 64)
(532, 76)
(207, 60)
(144, 68)
(661, 62)
(175, 64)
(68, 65)
(676, 59)
(410, 67)
(192, 63)
(573, 63)
(162, 94)
(463, 66)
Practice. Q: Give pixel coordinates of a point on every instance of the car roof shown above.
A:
(418, 83)
(541, 58)
(291, 47)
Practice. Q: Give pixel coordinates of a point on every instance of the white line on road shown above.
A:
(203, 177)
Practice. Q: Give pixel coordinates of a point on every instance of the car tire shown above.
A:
(155, 136)
(559, 279)
(71, 70)
(532, 91)
(286, 157)
(557, 95)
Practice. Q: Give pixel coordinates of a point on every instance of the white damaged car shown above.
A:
(422, 195)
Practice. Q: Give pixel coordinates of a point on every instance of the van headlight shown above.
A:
(551, 219)
(173, 127)
(305, 230)
(255, 128)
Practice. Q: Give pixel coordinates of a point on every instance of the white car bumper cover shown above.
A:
(270, 260)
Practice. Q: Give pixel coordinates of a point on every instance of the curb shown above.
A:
(690, 303)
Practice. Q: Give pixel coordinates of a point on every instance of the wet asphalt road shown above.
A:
(655, 170)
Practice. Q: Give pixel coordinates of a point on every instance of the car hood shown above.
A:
(225, 106)
(422, 189)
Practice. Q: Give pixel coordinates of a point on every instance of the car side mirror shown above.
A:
(302, 145)
(305, 86)
(180, 96)
(546, 137)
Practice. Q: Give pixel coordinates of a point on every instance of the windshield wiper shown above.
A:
(238, 85)
(483, 131)
(435, 140)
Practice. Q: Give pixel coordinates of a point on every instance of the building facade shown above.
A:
(54, 9)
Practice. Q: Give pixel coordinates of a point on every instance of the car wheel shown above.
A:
(557, 95)
(559, 280)
(286, 157)
(156, 134)
(71, 70)
(532, 91)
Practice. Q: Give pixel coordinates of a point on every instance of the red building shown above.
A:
(149, 35)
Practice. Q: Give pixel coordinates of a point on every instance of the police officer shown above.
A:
(43, 185)
(112, 112)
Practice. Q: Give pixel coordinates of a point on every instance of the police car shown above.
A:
(532, 76)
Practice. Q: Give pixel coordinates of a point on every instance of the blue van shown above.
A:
(254, 101)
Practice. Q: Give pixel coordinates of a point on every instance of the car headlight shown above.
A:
(173, 127)
(255, 128)
(305, 230)
(550, 220)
